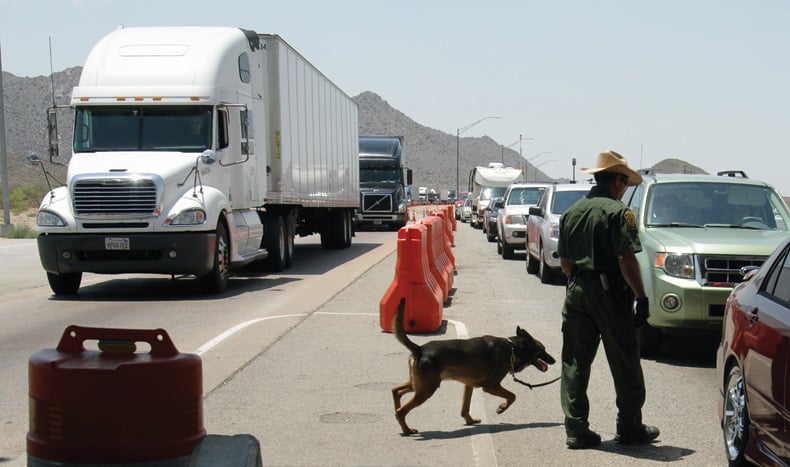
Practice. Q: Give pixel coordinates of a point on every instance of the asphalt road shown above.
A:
(300, 362)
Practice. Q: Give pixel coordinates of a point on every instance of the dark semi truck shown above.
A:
(383, 183)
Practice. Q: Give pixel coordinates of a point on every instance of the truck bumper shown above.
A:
(380, 219)
(182, 253)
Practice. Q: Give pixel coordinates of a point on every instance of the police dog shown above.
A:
(479, 362)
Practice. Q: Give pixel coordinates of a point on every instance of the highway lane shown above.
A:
(212, 326)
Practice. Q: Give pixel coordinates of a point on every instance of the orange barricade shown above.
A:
(450, 210)
(413, 280)
(449, 239)
(437, 261)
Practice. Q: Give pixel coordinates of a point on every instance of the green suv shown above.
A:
(697, 232)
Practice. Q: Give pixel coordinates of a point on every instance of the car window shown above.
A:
(635, 199)
(777, 283)
(714, 205)
(521, 196)
(564, 199)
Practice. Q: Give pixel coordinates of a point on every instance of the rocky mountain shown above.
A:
(430, 153)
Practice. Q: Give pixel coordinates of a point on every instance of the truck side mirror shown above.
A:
(52, 131)
(408, 177)
(32, 160)
(208, 157)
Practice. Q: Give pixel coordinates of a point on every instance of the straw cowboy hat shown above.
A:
(610, 161)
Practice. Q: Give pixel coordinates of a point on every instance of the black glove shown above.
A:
(641, 311)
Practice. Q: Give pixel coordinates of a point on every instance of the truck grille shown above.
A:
(724, 271)
(115, 196)
(376, 202)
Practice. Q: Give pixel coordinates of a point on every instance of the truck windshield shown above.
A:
(379, 172)
(139, 128)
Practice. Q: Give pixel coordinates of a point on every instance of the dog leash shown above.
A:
(531, 386)
(513, 373)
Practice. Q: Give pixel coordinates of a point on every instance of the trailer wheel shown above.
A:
(289, 241)
(64, 284)
(217, 280)
(349, 229)
(336, 232)
(274, 239)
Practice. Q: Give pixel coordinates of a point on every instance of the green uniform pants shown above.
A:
(591, 315)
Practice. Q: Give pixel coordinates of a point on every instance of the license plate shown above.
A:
(116, 243)
(377, 222)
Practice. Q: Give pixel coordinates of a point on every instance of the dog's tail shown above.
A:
(400, 331)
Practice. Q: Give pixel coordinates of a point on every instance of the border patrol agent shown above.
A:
(605, 302)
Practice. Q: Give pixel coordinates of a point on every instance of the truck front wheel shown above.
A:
(217, 280)
(64, 284)
(276, 242)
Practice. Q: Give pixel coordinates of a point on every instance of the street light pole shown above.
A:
(532, 159)
(535, 177)
(458, 152)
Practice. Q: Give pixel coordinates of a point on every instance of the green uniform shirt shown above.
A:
(596, 230)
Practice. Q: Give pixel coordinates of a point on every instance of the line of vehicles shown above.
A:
(715, 259)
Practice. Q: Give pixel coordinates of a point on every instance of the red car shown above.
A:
(752, 365)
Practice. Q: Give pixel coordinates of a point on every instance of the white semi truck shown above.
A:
(487, 183)
(198, 149)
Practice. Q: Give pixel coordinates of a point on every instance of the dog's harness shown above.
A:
(513, 371)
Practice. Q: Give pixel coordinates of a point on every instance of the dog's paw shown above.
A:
(471, 420)
(409, 432)
(504, 406)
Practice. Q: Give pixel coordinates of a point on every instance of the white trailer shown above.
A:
(198, 149)
(486, 183)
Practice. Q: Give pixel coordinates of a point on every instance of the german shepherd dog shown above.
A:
(479, 362)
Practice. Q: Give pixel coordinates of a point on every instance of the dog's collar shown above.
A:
(513, 369)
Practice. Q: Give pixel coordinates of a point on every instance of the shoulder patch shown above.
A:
(630, 219)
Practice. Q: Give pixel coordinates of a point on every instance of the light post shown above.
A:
(458, 152)
(532, 159)
(520, 139)
(535, 176)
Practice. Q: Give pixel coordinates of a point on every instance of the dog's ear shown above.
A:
(522, 333)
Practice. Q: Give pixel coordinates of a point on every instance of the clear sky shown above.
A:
(706, 81)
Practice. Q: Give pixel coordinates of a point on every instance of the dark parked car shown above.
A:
(752, 365)
(489, 218)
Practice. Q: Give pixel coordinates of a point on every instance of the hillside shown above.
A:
(430, 153)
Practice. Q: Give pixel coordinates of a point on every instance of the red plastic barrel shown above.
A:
(114, 405)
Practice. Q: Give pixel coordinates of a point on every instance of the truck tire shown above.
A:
(64, 284)
(216, 281)
(274, 241)
(349, 216)
(336, 231)
(289, 241)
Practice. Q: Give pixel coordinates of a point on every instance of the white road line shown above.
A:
(225, 335)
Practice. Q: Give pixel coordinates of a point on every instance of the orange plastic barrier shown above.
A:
(449, 239)
(450, 209)
(413, 280)
(437, 261)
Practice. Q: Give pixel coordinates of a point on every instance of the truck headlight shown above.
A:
(403, 206)
(49, 219)
(675, 264)
(191, 217)
(554, 230)
(517, 219)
